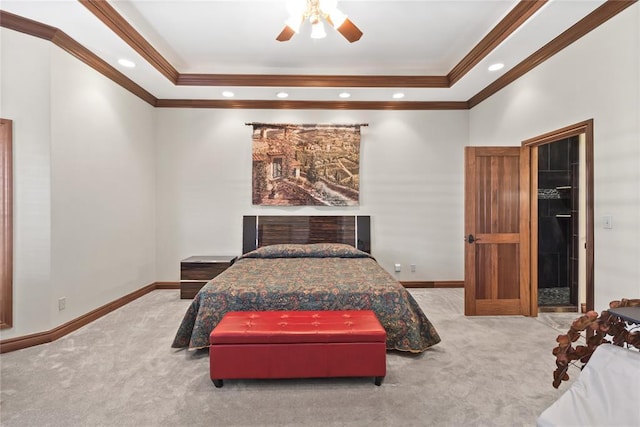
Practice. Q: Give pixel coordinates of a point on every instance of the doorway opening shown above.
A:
(559, 231)
(561, 177)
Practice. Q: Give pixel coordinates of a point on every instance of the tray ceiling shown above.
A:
(432, 51)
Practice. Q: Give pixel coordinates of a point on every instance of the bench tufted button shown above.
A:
(316, 323)
(348, 323)
(282, 324)
(315, 316)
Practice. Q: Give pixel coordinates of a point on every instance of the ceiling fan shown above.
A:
(316, 11)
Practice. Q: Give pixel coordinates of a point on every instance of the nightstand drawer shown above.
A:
(196, 271)
(188, 290)
(201, 270)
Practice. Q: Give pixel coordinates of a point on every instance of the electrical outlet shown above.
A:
(397, 268)
(62, 303)
(413, 268)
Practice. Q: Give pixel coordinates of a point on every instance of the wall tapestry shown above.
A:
(306, 165)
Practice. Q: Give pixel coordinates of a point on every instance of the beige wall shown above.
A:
(25, 99)
(411, 171)
(84, 185)
(597, 78)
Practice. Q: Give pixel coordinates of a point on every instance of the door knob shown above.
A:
(470, 239)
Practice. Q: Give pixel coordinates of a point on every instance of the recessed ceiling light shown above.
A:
(344, 95)
(496, 66)
(282, 95)
(227, 94)
(398, 95)
(126, 63)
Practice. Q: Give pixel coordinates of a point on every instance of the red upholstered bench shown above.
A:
(297, 344)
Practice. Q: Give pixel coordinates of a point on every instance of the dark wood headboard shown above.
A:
(258, 231)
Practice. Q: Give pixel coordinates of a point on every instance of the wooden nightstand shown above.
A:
(196, 271)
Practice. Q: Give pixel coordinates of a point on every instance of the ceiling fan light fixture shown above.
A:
(317, 30)
(344, 95)
(337, 18)
(282, 95)
(316, 11)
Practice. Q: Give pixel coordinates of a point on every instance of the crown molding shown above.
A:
(293, 80)
(66, 43)
(507, 26)
(312, 105)
(112, 19)
(608, 10)
(27, 26)
(514, 19)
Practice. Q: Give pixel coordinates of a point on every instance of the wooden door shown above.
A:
(497, 232)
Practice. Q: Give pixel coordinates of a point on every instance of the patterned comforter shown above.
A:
(308, 277)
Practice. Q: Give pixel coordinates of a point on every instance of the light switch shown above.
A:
(607, 221)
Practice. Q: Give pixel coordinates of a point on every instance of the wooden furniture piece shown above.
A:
(266, 230)
(195, 271)
(297, 344)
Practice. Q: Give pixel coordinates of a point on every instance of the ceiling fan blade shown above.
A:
(286, 34)
(349, 30)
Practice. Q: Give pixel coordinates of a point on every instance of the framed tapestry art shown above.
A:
(306, 165)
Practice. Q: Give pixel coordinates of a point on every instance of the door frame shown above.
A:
(6, 223)
(586, 128)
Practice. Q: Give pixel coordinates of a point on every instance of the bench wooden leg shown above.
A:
(217, 383)
(378, 380)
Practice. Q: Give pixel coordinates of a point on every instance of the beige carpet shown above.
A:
(121, 371)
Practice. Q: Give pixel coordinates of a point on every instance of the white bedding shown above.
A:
(606, 392)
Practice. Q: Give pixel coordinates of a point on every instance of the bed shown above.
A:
(283, 268)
